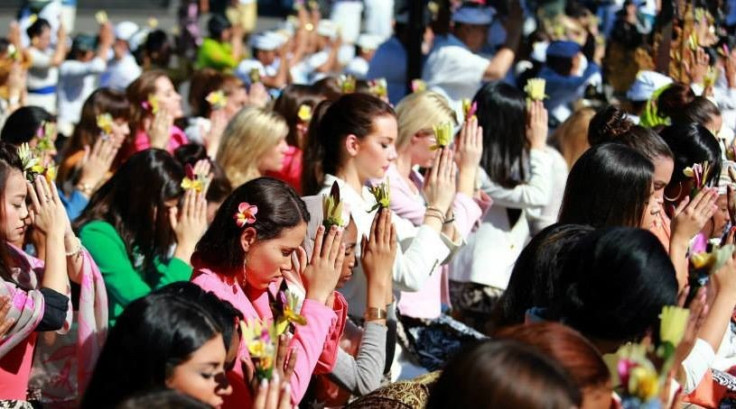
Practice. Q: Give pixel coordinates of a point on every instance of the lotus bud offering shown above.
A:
(535, 89)
(332, 209)
(443, 134)
(382, 194)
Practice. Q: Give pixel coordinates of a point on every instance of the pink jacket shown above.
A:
(426, 303)
(309, 340)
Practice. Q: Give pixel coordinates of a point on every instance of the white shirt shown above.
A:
(77, 80)
(246, 66)
(493, 248)
(453, 70)
(41, 73)
(358, 68)
(120, 73)
(421, 252)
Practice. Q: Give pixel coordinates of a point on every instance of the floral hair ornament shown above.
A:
(44, 134)
(261, 341)
(418, 86)
(443, 134)
(151, 104)
(246, 214)
(193, 180)
(217, 99)
(379, 87)
(699, 173)
(347, 84)
(534, 89)
(469, 108)
(104, 122)
(287, 305)
(332, 209)
(305, 113)
(382, 193)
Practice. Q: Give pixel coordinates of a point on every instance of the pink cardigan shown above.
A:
(308, 340)
(426, 303)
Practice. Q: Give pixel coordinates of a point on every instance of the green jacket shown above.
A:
(124, 282)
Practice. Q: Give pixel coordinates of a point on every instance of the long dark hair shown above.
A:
(351, 114)
(288, 104)
(616, 282)
(103, 100)
(502, 114)
(608, 186)
(535, 278)
(23, 124)
(279, 208)
(503, 375)
(152, 336)
(9, 162)
(133, 202)
(691, 144)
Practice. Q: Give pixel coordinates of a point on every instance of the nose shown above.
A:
(223, 385)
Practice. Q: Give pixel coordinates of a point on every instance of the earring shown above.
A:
(679, 192)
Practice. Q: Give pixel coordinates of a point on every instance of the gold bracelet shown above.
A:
(437, 216)
(373, 314)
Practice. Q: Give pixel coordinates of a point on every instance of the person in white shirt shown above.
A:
(122, 69)
(79, 75)
(43, 74)
(268, 61)
(365, 48)
(453, 67)
(642, 89)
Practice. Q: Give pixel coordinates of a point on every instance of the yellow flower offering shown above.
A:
(673, 321)
(535, 89)
(261, 342)
(289, 314)
(443, 134)
(382, 194)
(347, 84)
(644, 383)
(104, 122)
(217, 99)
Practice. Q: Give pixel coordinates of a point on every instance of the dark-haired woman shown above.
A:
(141, 227)
(43, 74)
(245, 254)
(223, 49)
(169, 339)
(517, 174)
(38, 290)
(504, 375)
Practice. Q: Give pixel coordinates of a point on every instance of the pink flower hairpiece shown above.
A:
(246, 214)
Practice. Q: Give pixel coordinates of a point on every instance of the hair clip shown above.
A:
(246, 214)
(217, 99)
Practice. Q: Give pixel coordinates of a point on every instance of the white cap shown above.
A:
(138, 39)
(368, 41)
(267, 41)
(327, 28)
(645, 84)
(125, 30)
(479, 16)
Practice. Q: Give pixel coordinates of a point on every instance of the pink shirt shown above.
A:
(142, 142)
(291, 170)
(308, 340)
(406, 203)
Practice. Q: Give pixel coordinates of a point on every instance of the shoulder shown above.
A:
(98, 228)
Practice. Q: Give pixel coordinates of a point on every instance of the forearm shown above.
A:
(74, 259)
(717, 321)
(499, 65)
(55, 276)
(678, 256)
(466, 180)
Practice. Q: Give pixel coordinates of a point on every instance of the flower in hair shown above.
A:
(45, 134)
(288, 305)
(418, 85)
(379, 87)
(443, 134)
(193, 181)
(305, 113)
(217, 99)
(332, 209)
(104, 122)
(382, 194)
(347, 84)
(469, 108)
(151, 104)
(535, 89)
(246, 214)
(261, 341)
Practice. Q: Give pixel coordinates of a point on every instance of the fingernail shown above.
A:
(264, 384)
(286, 387)
(275, 378)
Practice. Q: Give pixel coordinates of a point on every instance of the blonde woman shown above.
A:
(417, 114)
(254, 142)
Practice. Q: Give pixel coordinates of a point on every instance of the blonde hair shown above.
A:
(248, 136)
(571, 138)
(419, 111)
